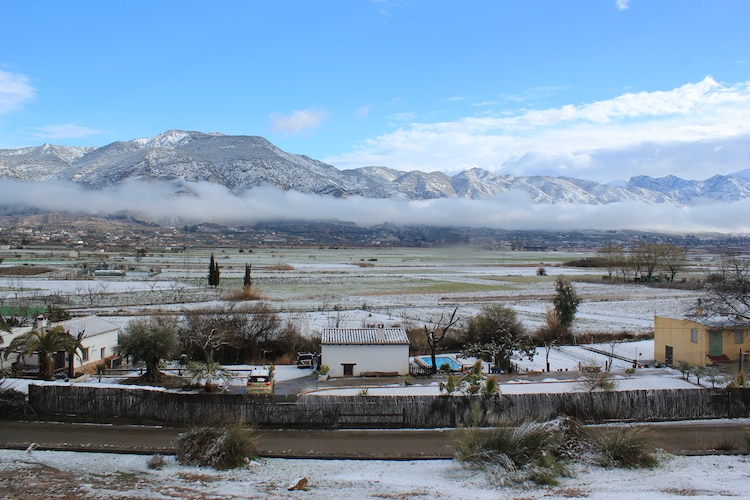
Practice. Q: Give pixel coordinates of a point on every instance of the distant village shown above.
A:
(124, 233)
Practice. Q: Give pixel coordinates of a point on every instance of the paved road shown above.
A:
(694, 437)
(383, 444)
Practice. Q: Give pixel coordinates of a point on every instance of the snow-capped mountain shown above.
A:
(243, 162)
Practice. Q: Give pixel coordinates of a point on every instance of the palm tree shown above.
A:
(211, 374)
(45, 342)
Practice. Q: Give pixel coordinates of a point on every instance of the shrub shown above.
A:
(622, 447)
(490, 387)
(598, 381)
(224, 446)
(739, 381)
(450, 385)
(12, 403)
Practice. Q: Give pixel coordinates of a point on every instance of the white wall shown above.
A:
(107, 340)
(366, 358)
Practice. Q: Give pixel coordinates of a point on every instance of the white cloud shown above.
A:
(63, 131)
(512, 210)
(299, 121)
(622, 4)
(15, 91)
(558, 138)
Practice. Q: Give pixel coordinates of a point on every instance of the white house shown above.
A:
(97, 336)
(356, 352)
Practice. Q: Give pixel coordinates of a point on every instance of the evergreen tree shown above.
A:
(213, 272)
(247, 282)
(496, 334)
(566, 303)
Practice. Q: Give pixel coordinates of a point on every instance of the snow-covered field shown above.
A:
(48, 474)
(352, 288)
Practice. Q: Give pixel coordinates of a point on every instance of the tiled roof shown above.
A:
(364, 336)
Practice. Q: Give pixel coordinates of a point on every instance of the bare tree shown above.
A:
(549, 333)
(437, 332)
(729, 295)
(648, 257)
(674, 258)
(611, 257)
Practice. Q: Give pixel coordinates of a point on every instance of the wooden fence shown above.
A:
(145, 405)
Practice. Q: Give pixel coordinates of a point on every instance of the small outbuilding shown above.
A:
(361, 352)
(700, 340)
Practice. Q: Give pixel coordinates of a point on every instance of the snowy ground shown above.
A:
(48, 474)
(333, 289)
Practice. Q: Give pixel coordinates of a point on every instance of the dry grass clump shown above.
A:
(225, 446)
(622, 447)
(527, 451)
(282, 267)
(542, 452)
(241, 295)
(156, 462)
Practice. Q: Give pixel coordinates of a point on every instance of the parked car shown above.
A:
(260, 381)
(305, 359)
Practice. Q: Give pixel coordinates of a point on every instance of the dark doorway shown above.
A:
(348, 369)
(669, 355)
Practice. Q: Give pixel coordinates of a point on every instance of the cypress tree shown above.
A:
(213, 272)
(247, 281)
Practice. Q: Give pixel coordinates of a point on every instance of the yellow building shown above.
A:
(700, 341)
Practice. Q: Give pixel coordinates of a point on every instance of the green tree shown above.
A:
(213, 272)
(496, 334)
(566, 303)
(44, 342)
(150, 341)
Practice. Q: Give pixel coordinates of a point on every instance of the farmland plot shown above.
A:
(318, 288)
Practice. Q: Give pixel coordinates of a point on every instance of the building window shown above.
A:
(85, 354)
(694, 335)
(103, 352)
(739, 336)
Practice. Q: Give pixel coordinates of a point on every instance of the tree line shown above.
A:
(640, 262)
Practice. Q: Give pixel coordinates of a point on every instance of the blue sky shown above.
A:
(596, 89)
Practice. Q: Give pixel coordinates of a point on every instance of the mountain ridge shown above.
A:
(240, 163)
